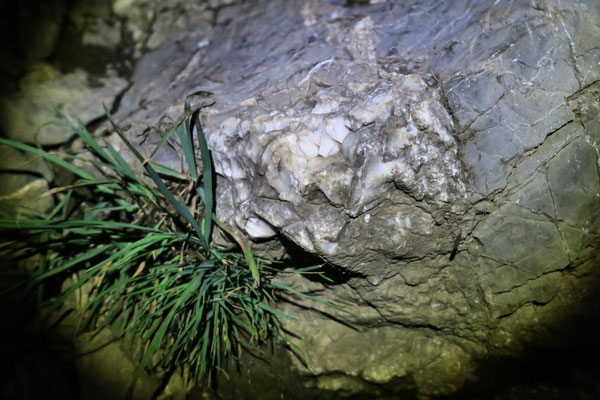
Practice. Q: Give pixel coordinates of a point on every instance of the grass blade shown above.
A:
(187, 143)
(207, 175)
(49, 157)
(176, 203)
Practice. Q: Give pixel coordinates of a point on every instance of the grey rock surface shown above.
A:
(443, 158)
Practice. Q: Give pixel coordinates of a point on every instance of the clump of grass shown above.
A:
(142, 251)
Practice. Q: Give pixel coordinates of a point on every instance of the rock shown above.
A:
(406, 356)
(101, 34)
(38, 74)
(24, 180)
(105, 371)
(151, 23)
(447, 171)
(29, 115)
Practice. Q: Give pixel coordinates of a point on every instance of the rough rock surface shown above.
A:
(29, 115)
(24, 180)
(443, 158)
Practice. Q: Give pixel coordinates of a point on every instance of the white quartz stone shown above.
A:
(363, 115)
(230, 126)
(258, 229)
(328, 146)
(336, 128)
(329, 247)
(308, 147)
(326, 106)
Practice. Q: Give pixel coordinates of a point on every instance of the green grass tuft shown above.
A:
(142, 252)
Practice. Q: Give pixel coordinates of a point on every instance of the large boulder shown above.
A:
(441, 158)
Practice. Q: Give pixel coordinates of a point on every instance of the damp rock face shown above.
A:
(442, 159)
